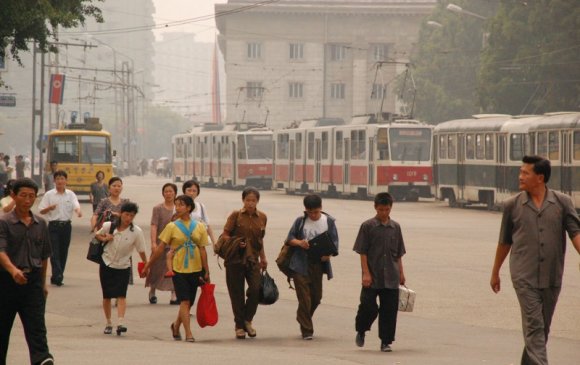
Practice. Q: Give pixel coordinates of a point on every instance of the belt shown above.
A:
(59, 223)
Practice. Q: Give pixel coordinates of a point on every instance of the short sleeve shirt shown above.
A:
(26, 246)
(66, 203)
(174, 237)
(383, 245)
(117, 253)
(538, 238)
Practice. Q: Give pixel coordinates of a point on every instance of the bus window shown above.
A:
(283, 143)
(65, 149)
(542, 144)
(310, 146)
(383, 143)
(410, 144)
(443, 147)
(452, 147)
(470, 147)
(489, 147)
(241, 147)
(554, 146)
(479, 147)
(577, 145)
(339, 143)
(357, 145)
(517, 146)
(259, 146)
(298, 146)
(95, 149)
(324, 146)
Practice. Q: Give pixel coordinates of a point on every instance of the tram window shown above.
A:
(178, 148)
(338, 144)
(517, 146)
(489, 147)
(283, 142)
(470, 147)
(189, 146)
(443, 146)
(383, 143)
(554, 146)
(357, 145)
(577, 145)
(479, 147)
(324, 146)
(452, 147)
(242, 147)
(310, 145)
(198, 147)
(542, 144)
(299, 145)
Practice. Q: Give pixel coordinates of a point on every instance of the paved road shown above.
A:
(457, 319)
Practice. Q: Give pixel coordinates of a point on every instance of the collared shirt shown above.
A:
(383, 245)
(117, 253)
(26, 246)
(66, 203)
(538, 238)
(252, 227)
(174, 237)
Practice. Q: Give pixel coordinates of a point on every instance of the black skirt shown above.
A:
(114, 282)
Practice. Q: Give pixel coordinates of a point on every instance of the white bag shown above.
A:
(406, 299)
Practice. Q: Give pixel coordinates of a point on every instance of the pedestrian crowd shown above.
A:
(533, 227)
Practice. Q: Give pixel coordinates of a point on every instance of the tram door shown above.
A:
(566, 163)
(219, 173)
(346, 170)
(501, 159)
(291, 167)
(460, 165)
(234, 154)
(317, 164)
(371, 166)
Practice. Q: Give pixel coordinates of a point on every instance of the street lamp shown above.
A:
(459, 10)
(434, 24)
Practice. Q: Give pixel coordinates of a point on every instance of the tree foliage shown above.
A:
(22, 21)
(532, 64)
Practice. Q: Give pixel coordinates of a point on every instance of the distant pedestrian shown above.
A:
(49, 175)
(19, 166)
(307, 269)
(115, 268)
(381, 248)
(249, 226)
(59, 205)
(99, 190)
(6, 202)
(533, 228)
(110, 206)
(24, 253)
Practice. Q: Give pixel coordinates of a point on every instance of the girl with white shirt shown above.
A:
(115, 267)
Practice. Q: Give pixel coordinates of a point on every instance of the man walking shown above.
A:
(58, 205)
(533, 228)
(24, 252)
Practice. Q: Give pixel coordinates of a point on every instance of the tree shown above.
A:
(446, 62)
(22, 21)
(532, 63)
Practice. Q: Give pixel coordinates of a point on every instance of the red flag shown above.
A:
(56, 89)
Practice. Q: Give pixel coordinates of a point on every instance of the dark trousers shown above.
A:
(60, 234)
(309, 295)
(244, 302)
(537, 308)
(29, 302)
(368, 310)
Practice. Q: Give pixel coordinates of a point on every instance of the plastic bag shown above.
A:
(207, 313)
(268, 289)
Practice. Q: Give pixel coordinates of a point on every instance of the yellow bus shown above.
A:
(81, 150)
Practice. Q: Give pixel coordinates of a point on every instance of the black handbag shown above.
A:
(96, 248)
(268, 289)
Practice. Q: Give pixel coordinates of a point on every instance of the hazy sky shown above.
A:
(173, 10)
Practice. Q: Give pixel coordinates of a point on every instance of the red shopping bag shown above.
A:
(207, 313)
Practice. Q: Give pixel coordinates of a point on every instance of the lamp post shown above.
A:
(459, 10)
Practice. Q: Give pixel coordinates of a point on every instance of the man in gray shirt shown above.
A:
(533, 228)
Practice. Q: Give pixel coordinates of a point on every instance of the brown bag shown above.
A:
(283, 262)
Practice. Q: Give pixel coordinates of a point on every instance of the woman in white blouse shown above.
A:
(191, 188)
(115, 267)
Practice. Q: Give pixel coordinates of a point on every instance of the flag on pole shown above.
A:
(56, 92)
(215, 87)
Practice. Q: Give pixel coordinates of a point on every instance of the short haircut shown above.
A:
(115, 179)
(542, 166)
(171, 185)
(130, 207)
(190, 183)
(383, 199)
(312, 201)
(53, 162)
(250, 190)
(60, 173)
(24, 182)
(187, 200)
(99, 172)
(9, 187)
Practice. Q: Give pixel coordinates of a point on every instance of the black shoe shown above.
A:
(153, 299)
(174, 302)
(360, 339)
(121, 329)
(385, 347)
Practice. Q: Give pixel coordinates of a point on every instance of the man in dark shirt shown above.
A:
(533, 228)
(381, 248)
(24, 253)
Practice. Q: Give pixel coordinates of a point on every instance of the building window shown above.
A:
(254, 90)
(296, 51)
(254, 50)
(379, 91)
(337, 52)
(337, 91)
(295, 90)
(380, 52)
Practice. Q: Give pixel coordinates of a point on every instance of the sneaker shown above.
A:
(360, 339)
(386, 347)
(240, 333)
(307, 337)
(248, 327)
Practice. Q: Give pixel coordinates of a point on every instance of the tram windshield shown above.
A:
(408, 144)
(258, 146)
